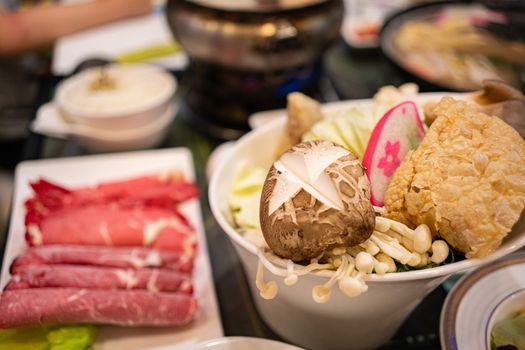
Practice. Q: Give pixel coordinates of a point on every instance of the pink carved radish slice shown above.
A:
(397, 132)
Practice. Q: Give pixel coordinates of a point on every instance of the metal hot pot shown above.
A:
(247, 55)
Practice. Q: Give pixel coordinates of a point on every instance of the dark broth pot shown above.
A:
(247, 55)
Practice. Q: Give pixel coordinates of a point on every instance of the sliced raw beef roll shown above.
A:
(26, 307)
(162, 190)
(122, 257)
(73, 276)
(114, 225)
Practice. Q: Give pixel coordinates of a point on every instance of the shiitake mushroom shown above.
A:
(315, 196)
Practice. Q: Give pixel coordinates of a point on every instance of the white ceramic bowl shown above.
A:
(147, 136)
(364, 322)
(141, 95)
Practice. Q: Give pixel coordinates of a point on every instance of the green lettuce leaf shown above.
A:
(350, 128)
(245, 195)
(72, 338)
(509, 332)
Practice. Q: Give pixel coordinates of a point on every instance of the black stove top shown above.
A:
(221, 100)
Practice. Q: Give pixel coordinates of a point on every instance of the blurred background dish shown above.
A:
(456, 45)
(116, 96)
(364, 18)
(112, 107)
(480, 300)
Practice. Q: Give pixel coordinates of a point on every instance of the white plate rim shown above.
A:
(258, 342)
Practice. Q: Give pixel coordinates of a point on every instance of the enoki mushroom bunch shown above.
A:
(391, 241)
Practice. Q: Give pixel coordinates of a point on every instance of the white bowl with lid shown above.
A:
(362, 322)
(116, 96)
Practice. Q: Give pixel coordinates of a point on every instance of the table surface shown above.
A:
(347, 74)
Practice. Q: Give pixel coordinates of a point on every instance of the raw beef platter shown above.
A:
(113, 252)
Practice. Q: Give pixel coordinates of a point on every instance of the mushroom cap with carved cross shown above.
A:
(315, 196)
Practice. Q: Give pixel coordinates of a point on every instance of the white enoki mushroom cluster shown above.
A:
(391, 241)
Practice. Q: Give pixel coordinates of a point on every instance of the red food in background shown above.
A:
(367, 31)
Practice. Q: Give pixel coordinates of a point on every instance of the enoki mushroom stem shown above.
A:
(266, 290)
(391, 241)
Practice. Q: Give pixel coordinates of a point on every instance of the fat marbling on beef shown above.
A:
(121, 257)
(73, 276)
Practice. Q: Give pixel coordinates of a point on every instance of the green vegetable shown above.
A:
(350, 129)
(245, 195)
(48, 338)
(452, 257)
(148, 53)
(72, 338)
(509, 332)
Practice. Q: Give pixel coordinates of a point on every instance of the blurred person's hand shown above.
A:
(31, 28)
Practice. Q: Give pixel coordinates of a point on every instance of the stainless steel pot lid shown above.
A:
(256, 5)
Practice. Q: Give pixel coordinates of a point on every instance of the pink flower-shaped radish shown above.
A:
(397, 132)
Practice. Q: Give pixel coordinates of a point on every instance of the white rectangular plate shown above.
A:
(90, 170)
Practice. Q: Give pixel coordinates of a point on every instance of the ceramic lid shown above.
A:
(256, 5)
